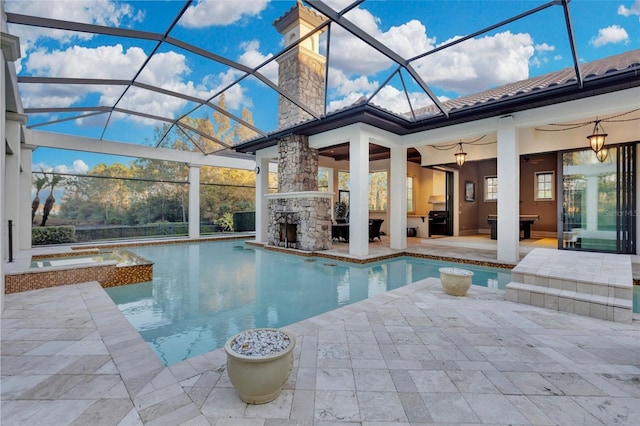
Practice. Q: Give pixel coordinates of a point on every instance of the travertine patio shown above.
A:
(411, 356)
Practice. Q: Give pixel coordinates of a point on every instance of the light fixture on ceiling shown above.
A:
(602, 154)
(597, 138)
(460, 155)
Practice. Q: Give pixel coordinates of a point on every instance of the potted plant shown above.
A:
(259, 361)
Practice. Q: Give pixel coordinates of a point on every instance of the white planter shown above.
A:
(258, 379)
(455, 281)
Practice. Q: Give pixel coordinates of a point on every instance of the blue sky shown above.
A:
(243, 31)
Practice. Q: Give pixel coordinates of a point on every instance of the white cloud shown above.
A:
(349, 91)
(252, 57)
(78, 167)
(167, 70)
(100, 12)
(609, 35)
(468, 67)
(105, 61)
(342, 85)
(352, 55)
(478, 64)
(544, 47)
(633, 10)
(208, 13)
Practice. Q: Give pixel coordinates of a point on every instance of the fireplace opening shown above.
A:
(288, 238)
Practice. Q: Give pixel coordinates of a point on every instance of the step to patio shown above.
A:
(598, 285)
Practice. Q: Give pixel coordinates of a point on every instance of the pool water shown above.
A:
(203, 293)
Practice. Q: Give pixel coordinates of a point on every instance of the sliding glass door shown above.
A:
(598, 201)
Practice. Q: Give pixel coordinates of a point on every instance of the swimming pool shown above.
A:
(203, 293)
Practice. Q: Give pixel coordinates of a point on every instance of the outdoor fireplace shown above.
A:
(288, 237)
(300, 220)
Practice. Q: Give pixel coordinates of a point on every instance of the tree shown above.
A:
(51, 200)
(39, 183)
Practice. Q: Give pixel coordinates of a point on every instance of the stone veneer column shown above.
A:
(297, 165)
(301, 71)
(301, 75)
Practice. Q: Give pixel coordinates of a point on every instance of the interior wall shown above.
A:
(422, 190)
(546, 210)
(473, 214)
(485, 208)
(469, 216)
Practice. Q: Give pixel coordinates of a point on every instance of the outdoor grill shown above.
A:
(438, 222)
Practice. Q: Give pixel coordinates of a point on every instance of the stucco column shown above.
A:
(359, 196)
(25, 226)
(194, 201)
(398, 198)
(262, 205)
(12, 180)
(508, 192)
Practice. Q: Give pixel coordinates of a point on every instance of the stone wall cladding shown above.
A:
(301, 75)
(312, 215)
(297, 165)
(107, 275)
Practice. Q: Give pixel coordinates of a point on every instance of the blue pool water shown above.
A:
(203, 293)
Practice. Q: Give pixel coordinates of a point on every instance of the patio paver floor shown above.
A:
(411, 356)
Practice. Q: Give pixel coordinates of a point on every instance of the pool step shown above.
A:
(598, 285)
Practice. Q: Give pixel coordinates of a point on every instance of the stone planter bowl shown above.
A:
(258, 379)
(455, 281)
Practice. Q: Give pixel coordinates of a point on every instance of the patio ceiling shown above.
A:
(137, 105)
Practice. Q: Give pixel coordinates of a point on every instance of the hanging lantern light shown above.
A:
(602, 154)
(460, 155)
(597, 138)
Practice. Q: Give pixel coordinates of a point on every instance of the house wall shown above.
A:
(547, 210)
(469, 210)
(485, 208)
(473, 214)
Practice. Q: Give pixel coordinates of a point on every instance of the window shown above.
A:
(377, 188)
(323, 180)
(410, 206)
(343, 180)
(490, 188)
(544, 186)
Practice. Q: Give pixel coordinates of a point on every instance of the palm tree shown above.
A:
(51, 200)
(39, 183)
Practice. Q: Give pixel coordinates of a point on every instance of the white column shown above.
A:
(359, 196)
(3, 155)
(25, 226)
(508, 192)
(397, 194)
(194, 201)
(11, 177)
(262, 205)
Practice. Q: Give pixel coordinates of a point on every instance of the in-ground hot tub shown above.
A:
(108, 267)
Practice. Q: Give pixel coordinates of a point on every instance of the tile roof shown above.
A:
(567, 76)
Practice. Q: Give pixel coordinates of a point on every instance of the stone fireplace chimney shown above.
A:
(301, 71)
(299, 215)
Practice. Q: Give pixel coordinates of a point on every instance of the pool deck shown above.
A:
(411, 356)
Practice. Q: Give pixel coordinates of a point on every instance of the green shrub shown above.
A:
(53, 235)
(225, 221)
